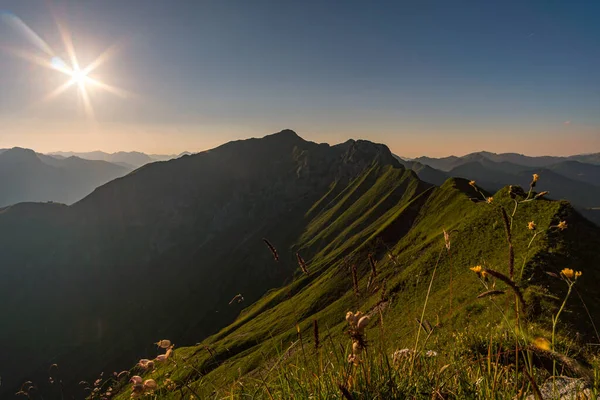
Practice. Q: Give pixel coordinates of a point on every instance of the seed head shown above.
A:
(150, 384)
(447, 240)
(362, 323)
(165, 343)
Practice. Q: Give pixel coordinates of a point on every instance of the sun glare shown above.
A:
(81, 77)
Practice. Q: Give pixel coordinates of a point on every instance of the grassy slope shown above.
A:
(382, 213)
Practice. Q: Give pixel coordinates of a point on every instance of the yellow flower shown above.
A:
(477, 269)
(490, 200)
(531, 226)
(568, 273)
(535, 177)
(562, 225)
(541, 343)
(578, 274)
(472, 183)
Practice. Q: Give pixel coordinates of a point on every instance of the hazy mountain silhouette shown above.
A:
(565, 177)
(448, 163)
(425, 172)
(125, 158)
(27, 176)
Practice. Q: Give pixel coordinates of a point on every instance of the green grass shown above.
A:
(269, 351)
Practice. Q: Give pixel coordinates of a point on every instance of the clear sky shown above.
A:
(425, 77)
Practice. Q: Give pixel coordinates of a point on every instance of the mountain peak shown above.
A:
(19, 154)
(354, 150)
(287, 135)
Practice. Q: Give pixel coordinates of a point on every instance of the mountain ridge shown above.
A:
(188, 213)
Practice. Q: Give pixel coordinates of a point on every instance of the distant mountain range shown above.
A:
(132, 159)
(575, 178)
(448, 163)
(27, 176)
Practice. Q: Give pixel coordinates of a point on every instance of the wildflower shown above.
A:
(362, 323)
(472, 183)
(569, 273)
(150, 384)
(447, 239)
(541, 343)
(168, 352)
(400, 354)
(161, 357)
(536, 177)
(479, 271)
(562, 225)
(531, 226)
(489, 200)
(431, 353)
(353, 359)
(136, 379)
(137, 388)
(163, 343)
(146, 364)
(349, 317)
(170, 385)
(353, 318)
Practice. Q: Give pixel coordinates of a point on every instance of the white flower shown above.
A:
(400, 354)
(431, 353)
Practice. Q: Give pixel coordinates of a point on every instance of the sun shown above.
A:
(79, 77)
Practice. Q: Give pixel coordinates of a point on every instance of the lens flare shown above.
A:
(79, 77)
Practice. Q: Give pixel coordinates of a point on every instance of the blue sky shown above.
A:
(423, 77)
